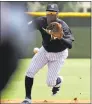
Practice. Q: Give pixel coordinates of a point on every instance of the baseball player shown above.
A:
(53, 51)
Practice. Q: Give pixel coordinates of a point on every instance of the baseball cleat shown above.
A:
(27, 101)
(56, 88)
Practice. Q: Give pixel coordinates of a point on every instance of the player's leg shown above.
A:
(38, 61)
(54, 66)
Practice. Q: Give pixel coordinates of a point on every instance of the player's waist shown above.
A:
(54, 55)
(54, 49)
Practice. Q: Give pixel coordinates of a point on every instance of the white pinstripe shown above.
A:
(54, 61)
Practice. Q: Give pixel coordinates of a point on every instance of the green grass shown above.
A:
(72, 71)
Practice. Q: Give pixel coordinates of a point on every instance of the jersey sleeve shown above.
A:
(68, 36)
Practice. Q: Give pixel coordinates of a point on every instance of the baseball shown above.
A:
(35, 50)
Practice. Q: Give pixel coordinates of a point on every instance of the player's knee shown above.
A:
(51, 83)
(30, 74)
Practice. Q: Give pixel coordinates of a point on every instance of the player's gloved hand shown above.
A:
(55, 30)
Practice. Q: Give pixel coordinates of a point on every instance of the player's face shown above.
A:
(51, 16)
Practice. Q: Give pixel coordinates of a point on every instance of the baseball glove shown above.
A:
(55, 30)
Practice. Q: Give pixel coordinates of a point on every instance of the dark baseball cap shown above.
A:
(52, 7)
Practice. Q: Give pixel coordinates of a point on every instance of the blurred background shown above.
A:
(73, 6)
(18, 42)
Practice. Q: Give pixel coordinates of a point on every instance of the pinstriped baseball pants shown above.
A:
(54, 61)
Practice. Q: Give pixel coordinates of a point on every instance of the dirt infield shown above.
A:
(74, 101)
